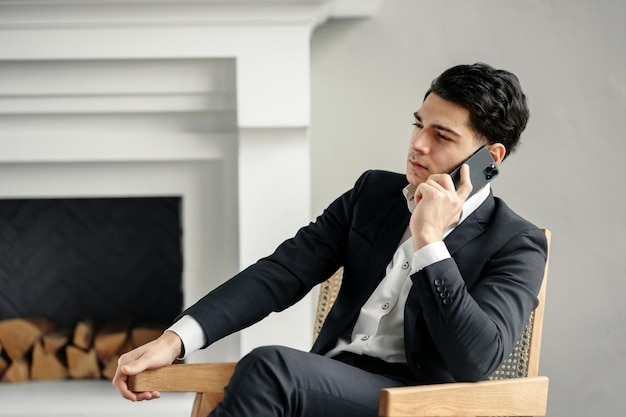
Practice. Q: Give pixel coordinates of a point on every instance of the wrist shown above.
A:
(174, 344)
(424, 238)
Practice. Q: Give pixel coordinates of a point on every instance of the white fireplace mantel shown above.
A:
(269, 40)
(205, 99)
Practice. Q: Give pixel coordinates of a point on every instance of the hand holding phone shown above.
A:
(483, 170)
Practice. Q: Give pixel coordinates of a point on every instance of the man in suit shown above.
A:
(437, 286)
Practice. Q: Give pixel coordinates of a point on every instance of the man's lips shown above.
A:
(417, 166)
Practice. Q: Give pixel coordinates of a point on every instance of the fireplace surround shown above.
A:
(202, 100)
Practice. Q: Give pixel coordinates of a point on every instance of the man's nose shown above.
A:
(420, 141)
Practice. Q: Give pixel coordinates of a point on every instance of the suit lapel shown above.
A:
(388, 240)
(471, 227)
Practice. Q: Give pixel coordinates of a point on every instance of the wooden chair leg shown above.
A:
(201, 406)
(204, 402)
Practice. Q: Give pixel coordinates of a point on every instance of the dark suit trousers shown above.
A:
(279, 381)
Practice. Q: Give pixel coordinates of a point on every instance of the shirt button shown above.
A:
(385, 306)
(364, 338)
(405, 265)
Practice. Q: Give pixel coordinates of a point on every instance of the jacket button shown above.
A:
(444, 294)
(438, 282)
(441, 288)
(447, 301)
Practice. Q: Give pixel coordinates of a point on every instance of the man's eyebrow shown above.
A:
(438, 126)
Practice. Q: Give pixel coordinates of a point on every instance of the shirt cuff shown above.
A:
(190, 333)
(428, 255)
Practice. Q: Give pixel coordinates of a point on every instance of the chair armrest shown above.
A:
(195, 377)
(505, 397)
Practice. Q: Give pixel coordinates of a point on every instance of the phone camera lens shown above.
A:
(491, 171)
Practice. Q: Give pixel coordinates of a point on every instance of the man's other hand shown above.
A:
(156, 354)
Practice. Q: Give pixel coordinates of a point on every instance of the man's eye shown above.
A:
(443, 137)
(417, 124)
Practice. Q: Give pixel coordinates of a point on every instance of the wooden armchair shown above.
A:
(515, 389)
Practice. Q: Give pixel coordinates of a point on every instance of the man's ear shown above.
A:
(498, 151)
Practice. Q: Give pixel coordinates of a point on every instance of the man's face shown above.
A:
(441, 139)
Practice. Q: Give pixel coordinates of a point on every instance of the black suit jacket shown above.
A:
(463, 315)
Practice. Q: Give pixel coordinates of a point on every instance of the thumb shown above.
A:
(135, 365)
(131, 368)
(465, 185)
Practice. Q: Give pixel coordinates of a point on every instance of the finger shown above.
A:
(431, 187)
(120, 381)
(148, 395)
(440, 181)
(465, 185)
(130, 364)
(417, 195)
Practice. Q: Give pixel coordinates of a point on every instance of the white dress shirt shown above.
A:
(379, 329)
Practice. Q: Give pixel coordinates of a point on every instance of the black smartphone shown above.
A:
(483, 170)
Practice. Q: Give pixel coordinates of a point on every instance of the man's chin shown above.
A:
(413, 179)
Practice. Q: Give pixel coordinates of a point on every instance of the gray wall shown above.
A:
(369, 76)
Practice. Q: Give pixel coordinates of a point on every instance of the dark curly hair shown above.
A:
(494, 98)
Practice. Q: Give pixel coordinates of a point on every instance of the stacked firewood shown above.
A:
(37, 349)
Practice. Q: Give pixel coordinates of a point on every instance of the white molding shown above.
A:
(127, 103)
(350, 9)
(40, 147)
(134, 13)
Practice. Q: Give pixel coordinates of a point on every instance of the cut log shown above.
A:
(17, 336)
(46, 365)
(142, 335)
(128, 346)
(83, 334)
(16, 372)
(3, 365)
(81, 364)
(109, 340)
(83, 352)
(54, 341)
(109, 369)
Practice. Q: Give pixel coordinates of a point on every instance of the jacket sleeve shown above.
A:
(475, 316)
(280, 280)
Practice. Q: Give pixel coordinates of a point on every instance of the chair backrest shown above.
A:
(328, 293)
(522, 362)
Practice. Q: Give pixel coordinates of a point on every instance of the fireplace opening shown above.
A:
(103, 259)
